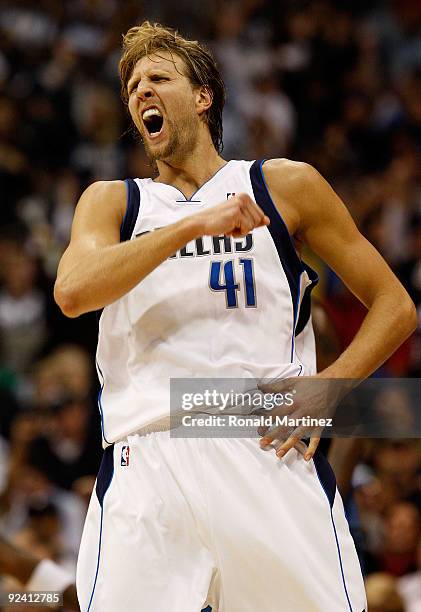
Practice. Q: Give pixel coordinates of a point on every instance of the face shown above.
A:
(164, 106)
(402, 528)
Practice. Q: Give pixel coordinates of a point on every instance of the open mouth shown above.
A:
(153, 121)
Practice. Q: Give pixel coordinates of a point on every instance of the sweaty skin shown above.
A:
(97, 269)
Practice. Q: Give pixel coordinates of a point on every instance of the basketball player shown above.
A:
(197, 274)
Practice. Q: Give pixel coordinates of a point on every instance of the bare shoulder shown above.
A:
(291, 185)
(100, 210)
(106, 194)
(289, 176)
(104, 188)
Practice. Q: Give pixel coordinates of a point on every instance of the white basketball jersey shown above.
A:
(218, 308)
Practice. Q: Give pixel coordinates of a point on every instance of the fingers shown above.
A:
(257, 214)
(236, 217)
(272, 434)
(247, 221)
(261, 431)
(312, 447)
(249, 216)
(292, 441)
(280, 385)
(286, 446)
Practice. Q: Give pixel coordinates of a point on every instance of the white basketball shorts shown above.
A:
(175, 524)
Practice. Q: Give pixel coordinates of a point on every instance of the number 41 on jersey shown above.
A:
(222, 278)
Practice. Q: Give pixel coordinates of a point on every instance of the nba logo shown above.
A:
(125, 455)
(231, 194)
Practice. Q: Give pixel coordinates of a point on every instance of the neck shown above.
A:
(189, 173)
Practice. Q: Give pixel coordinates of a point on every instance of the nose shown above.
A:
(144, 92)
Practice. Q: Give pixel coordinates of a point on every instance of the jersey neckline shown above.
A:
(190, 199)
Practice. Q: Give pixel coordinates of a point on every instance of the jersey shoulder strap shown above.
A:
(132, 209)
(292, 264)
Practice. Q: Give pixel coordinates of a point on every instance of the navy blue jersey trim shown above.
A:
(132, 210)
(327, 479)
(305, 307)
(97, 561)
(101, 411)
(105, 474)
(325, 475)
(277, 228)
(290, 260)
(281, 237)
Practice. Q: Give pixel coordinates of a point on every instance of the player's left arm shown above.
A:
(322, 221)
(316, 216)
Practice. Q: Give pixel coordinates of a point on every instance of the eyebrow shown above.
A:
(156, 71)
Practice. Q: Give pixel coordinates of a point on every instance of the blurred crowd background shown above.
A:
(334, 83)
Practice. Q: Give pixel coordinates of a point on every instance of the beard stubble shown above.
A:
(182, 139)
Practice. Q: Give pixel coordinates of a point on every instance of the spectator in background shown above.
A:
(53, 446)
(33, 573)
(398, 462)
(67, 444)
(401, 531)
(68, 449)
(22, 310)
(64, 372)
(99, 122)
(13, 159)
(382, 594)
(42, 531)
(67, 369)
(372, 496)
(29, 488)
(271, 117)
(409, 586)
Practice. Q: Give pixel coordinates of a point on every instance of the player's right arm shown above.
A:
(96, 269)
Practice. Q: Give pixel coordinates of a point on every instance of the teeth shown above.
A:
(149, 112)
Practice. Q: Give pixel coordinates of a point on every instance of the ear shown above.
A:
(203, 100)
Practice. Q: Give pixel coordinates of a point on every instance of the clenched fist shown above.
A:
(236, 217)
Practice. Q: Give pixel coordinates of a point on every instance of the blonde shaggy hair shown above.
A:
(201, 69)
